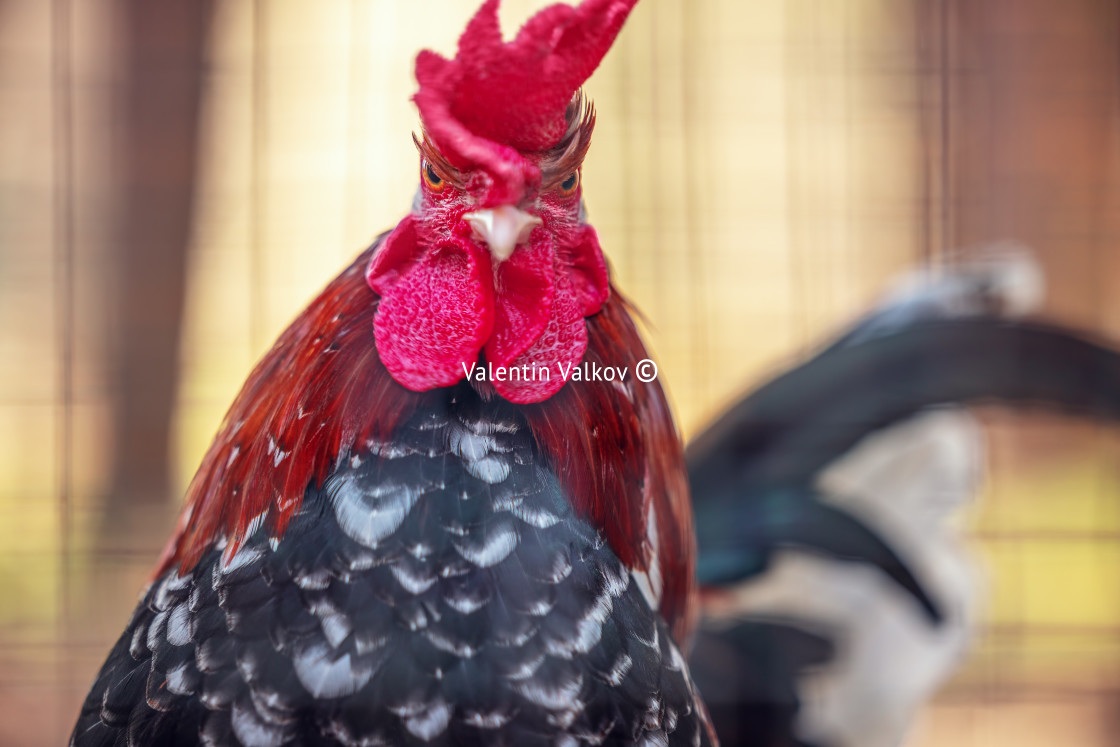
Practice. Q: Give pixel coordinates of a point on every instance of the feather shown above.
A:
(842, 458)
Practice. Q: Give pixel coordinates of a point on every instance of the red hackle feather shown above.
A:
(627, 433)
(631, 440)
(322, 391)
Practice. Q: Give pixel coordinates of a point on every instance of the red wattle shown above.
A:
(526, 288)
(559, 346)
(435, 315)
(439, 307)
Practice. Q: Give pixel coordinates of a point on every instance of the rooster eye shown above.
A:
(435, 182)
(568, 186)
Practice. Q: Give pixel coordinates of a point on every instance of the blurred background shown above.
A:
(177, 180)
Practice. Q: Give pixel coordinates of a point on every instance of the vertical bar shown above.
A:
(258, 187)
(63, 250)
(934, 83)
(355, 202)
(696, 267)
(945, 134)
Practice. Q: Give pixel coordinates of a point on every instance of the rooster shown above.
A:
(835, 599)
(416, 525)
(411, 527)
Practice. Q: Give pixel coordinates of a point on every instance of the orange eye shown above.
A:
(568, 187)
(434, 181)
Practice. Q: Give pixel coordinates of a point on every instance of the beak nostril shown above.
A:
(503, 228)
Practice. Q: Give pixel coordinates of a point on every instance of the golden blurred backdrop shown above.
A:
(759, 171)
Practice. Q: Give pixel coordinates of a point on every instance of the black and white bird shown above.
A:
(837, 592)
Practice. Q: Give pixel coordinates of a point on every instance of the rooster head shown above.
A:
(495, 259)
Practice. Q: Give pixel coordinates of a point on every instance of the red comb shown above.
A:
(495, 97)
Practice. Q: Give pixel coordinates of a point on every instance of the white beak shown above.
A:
(503, 228)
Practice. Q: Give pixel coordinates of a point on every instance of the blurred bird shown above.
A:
(420, 522)
(836, 596)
